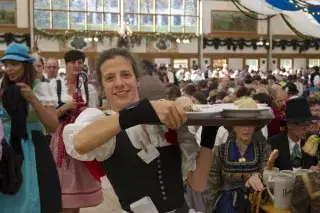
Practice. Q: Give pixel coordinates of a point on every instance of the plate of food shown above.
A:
(197, 111)
(244, 107)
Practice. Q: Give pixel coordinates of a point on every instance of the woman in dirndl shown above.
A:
(80, 188)
(238, 164)
(28, 105)
(146, 164)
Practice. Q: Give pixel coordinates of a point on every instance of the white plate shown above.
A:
(243, 113)
(204, 114)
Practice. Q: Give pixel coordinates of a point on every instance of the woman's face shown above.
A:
(38, 66)
(119, 82)
(75, 67)
(244, 133)
(14, 70)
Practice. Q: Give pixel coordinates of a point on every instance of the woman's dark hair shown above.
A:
(173, 92)
(190, 89)
(271, 77)
(111, 54)
(263, 98)
(242, 91)
(74, 55)
(256, 78)
(200, 97)
(221, 95)
(202, 84)
(28, 77)
(248, 79)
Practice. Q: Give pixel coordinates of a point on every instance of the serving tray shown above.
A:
(218, 120)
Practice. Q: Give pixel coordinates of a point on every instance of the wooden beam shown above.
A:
(14, 30)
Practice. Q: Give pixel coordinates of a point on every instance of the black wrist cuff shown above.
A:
(138, 113)
(208, 136)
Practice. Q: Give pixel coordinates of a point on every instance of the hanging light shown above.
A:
(96, 39)
(178, 40)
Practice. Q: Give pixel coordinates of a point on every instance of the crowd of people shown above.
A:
(58, 139)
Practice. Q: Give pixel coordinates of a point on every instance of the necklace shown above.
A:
(242, 148)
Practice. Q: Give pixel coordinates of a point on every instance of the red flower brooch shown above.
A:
(171, 137)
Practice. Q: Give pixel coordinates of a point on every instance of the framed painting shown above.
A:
(8, 13)
(232, 21)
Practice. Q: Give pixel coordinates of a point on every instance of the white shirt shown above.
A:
(138, 137)
(292, 144)
(170, 77)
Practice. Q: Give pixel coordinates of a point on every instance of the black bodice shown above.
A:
(133, 179)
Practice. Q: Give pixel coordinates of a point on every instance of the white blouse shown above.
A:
(46, 94)
(137, 135)
(65, 97)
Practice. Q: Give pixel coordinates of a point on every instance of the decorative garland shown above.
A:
(297, 32)
(244, 10)
(234, 44)
(8, 38)
(135, 39)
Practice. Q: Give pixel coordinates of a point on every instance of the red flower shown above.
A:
(171, 137)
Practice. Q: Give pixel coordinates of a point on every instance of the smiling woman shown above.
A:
(26, 106)
(143, 163)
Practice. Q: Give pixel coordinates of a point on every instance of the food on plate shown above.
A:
(246, 103)
(187, 104)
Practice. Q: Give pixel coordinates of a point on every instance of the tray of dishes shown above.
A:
(243, 112)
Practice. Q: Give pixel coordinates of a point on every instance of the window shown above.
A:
(286, 63)
(253, 64)
(314, 62)
(181, 16)
(77, 14)
(180, 62)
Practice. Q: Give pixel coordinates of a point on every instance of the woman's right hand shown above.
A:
(170, 113)
(255, 182)
(68, 106)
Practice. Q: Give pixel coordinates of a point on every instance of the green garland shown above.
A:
(135, 38)
(247, 12)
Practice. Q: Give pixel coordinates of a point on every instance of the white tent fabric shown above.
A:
(303, 22)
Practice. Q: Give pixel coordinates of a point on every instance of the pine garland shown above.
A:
(135, 39)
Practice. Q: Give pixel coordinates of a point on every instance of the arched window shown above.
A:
(180, 16)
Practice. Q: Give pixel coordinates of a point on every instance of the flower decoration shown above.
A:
(171, 137)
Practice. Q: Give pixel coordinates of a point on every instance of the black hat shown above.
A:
(298, 111)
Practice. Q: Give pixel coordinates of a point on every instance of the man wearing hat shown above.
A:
(289, 143)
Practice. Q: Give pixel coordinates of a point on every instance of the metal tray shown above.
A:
(218, 120)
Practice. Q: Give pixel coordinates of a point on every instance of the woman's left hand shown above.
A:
(26, 92)
(255, 182)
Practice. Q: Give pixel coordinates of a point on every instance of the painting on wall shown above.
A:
(162, 45)
(194, 62)
(7, 13)
(232, 21)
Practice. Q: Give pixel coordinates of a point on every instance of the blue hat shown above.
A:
(17, 52)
